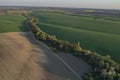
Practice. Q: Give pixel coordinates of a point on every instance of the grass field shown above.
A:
(12, 23)
(96, 34)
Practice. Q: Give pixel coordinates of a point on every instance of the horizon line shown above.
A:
(57, 7)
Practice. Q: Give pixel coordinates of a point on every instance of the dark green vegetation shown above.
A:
(12, 23)
(101, 35)
(104, 68)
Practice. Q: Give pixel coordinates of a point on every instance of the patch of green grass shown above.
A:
(80, 22)
(12, 23)
(99, 35)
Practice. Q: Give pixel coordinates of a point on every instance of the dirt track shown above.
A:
(23, 58)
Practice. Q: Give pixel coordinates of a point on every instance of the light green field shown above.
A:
(12, 23)
(99, 35)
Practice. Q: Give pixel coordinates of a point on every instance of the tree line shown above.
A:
(103, 67)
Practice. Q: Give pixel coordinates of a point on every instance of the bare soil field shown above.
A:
(24, 58)
(17, 59)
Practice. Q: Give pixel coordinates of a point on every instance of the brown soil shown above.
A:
(18, 58)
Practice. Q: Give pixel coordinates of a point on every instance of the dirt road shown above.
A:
(24, 58)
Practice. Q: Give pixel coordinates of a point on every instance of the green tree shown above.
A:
(104, 73)
(35, 20)
(42, 36)
(90, 78)
(77, 47)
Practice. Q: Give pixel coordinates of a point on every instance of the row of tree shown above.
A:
(104, 68)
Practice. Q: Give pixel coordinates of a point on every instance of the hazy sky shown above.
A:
(111, 4)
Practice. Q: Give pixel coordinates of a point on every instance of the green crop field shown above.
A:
(12, 23)
(97, 34)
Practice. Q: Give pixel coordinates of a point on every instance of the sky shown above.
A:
(104, 4)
